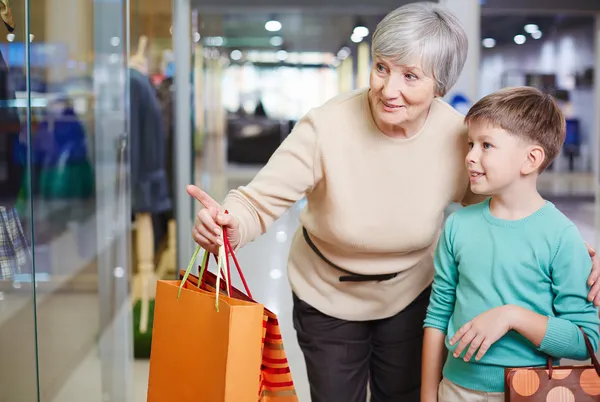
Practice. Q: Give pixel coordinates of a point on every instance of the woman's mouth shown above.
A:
(391, 107)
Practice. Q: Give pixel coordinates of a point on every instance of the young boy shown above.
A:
(510, 284)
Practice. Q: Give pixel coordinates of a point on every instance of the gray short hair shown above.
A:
(429, 32)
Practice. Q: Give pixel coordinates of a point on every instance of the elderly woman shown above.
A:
(378, 167)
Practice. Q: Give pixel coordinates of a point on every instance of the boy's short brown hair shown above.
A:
(524, 112)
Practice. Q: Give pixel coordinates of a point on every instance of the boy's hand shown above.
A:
(482, 332)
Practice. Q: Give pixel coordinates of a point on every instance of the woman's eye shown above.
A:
(410, 76)
(380, 68)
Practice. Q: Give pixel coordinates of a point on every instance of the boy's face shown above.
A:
(495, 160)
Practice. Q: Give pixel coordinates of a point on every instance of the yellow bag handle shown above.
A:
(221, 266)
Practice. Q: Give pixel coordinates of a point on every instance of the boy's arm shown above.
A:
(443, 290)
(560, 336)
(434, 351)
(441, 307)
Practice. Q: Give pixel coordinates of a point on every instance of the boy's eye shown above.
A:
(487, 145)
(470, 145)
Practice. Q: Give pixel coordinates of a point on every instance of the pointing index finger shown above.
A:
(202, 197)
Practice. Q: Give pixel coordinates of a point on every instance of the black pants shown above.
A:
(343, 356)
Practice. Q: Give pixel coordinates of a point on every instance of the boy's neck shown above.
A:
(517, 202)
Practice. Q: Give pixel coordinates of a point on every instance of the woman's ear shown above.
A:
(535, 158)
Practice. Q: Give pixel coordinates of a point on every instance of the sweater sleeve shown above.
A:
(443, 293)
(292, 171)
(570, 269)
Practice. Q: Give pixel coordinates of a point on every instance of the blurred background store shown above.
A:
(121, 103)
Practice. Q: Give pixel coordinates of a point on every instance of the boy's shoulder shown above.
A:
(563, 231)
(469, 212)
(552, 221)
(557, 217)
(468, 219)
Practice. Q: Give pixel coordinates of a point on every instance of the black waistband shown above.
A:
(351, 276)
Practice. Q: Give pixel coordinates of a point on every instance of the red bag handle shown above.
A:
(229, 249)
(229, 252)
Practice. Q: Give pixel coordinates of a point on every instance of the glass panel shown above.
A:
(18, 371)
(79, 179)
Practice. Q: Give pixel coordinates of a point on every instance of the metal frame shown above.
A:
(184, 210)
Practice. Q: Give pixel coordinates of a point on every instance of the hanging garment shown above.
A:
(11, 168)
(14, 249)
(150, 189)
(166, 98)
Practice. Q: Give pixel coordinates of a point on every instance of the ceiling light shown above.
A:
(361, 31)
(196, 37)
(31, 37)
(273, 26)
(531, 28)
(214, 41)
(236, 55)
(282, 55)
(520, 39)
(356, 38)
(343, 53)
(10, 37)
(488, 43)
(276, 41)
(536, 34)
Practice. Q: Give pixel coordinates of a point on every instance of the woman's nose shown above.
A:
(392, 88)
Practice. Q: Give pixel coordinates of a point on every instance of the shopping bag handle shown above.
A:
(590, 349)
(228, 252)
(229, 248)
(224, 250)
(220, 261)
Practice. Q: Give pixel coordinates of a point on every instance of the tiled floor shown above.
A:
(69, 330)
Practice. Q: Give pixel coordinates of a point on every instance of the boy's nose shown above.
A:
(471, 157)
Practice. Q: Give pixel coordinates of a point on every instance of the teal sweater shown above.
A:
(540, 263)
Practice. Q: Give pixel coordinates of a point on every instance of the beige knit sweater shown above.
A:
(375, 204)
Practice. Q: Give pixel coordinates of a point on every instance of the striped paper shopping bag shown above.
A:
(276, 383)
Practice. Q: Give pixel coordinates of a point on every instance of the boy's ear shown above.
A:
(535, 157)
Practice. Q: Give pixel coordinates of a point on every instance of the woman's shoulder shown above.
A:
(445, 115)
(347, 103)
(355, 96)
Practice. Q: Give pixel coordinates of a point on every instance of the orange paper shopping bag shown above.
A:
(275, 377)
(206, 347)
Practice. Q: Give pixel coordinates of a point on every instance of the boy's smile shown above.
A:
(475, 175)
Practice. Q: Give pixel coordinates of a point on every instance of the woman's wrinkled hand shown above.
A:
(594, 278)
(210, 220)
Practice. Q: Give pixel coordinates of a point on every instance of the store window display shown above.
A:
(150, 187)
(14, 249)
